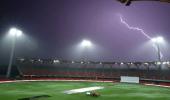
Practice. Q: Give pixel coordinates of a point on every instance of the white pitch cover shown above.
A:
(129, 79)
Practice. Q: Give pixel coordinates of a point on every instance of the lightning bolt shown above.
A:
(134, 28)
(138, 29)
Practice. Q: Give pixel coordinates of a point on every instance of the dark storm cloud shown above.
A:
(58, 25)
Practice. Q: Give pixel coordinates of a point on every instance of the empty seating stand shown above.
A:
(92, 70)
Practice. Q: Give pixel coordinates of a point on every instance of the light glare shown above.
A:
(86, 43)
(56, 61)
(158, 63)
(19, 33)
(158, 40)
(15, 32)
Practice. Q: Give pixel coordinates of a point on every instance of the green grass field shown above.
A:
(119, 91)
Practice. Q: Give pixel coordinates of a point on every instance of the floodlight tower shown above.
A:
(157, 42)
(86, 45)
(14, 32)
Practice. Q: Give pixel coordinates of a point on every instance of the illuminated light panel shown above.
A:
(86, 43)
(56, 61)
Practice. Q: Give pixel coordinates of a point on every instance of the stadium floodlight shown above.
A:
(39, 60)
(56, 61)
(86, 43)
(168, 62)
(164, 63)
(121, 63)
(85, 47)
(21, 59)
(14, 32)
(72, 62)
(157, 42)
(146, 63)
(158, 63)
(82, 62)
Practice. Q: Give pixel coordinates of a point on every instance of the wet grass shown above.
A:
(120, 91)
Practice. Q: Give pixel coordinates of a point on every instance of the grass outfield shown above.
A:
(14, 91)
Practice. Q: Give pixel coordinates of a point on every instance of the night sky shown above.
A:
(54, 28)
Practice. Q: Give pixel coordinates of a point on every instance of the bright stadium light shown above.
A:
(81, 62)
(121, 63)
(157, 41)
(84, 48)
(72, 62)
(14, 32)
(19, 33)
(168, 62)
(146, 63)
(86, 43)
(56, 61)
(164, 63)
(158, 63)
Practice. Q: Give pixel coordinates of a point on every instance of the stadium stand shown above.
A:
(92, 70)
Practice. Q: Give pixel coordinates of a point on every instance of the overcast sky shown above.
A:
(55, 28)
